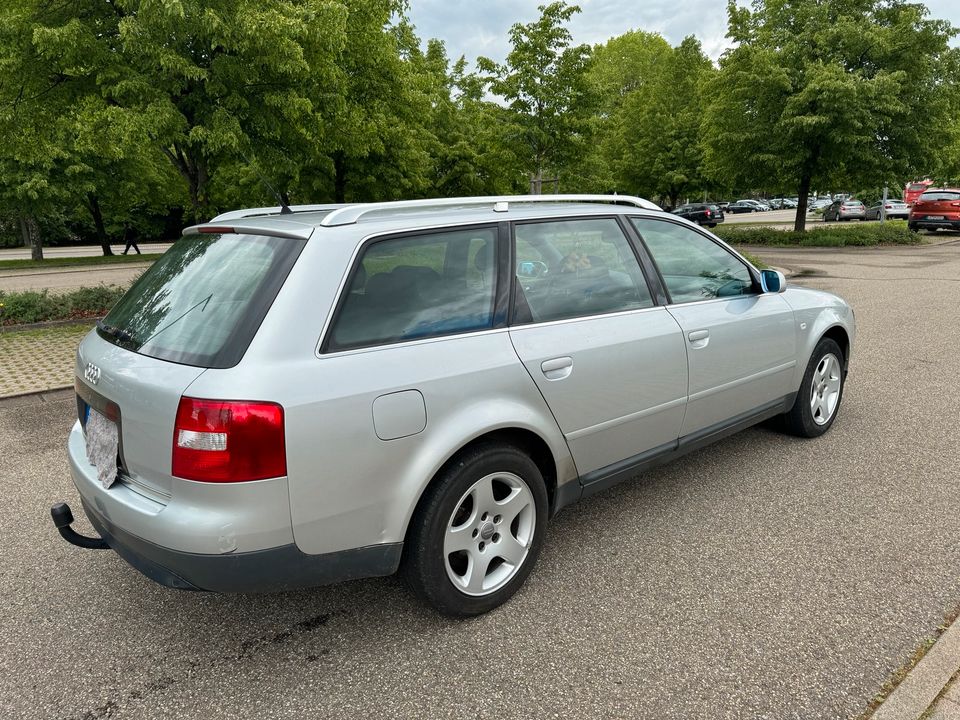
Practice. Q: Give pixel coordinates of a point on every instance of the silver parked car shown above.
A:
(841, 210)
(895, 210)
(291, 399)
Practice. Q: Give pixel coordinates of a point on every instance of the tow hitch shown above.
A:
(62, 517)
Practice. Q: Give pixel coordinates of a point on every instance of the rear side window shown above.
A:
(572, 268)
(940, 196)
(693, 266)
(203, 301)
(418, 286)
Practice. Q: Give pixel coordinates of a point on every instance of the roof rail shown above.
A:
(348, 214)
(259, 212)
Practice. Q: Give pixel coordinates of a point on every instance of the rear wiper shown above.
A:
(204, 302)
(115, 332)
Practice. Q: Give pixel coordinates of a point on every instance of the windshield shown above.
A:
(201, 303)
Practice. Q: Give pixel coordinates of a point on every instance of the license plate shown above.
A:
(103, 442)
(936, 217)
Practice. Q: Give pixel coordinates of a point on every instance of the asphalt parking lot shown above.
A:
(763, 577)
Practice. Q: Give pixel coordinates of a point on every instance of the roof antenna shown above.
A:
(284, 208)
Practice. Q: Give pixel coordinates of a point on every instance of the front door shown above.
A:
(741, 343)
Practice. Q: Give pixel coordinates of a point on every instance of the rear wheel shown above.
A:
(478, 531)
(821, 391)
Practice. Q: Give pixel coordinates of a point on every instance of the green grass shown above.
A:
(893, 232)
(18, 308)
(73, 261)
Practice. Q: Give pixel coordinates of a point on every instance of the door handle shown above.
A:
(699, 338)
(557, 368)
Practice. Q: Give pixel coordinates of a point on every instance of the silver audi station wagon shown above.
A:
(292, 397)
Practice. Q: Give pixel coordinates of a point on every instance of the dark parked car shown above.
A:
(936, 209)
(845, 210)
(895, 209)
(701, 214)
(741, 207)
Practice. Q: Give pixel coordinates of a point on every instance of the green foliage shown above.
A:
(29, 307)
(892, 232)
(845, 93)
(544, 83)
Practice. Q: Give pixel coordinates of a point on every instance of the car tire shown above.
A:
(821, 392)
(489, 498)
(912, 227)
(711, 225)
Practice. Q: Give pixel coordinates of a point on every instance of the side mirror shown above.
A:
(773, 281)
(531, 269)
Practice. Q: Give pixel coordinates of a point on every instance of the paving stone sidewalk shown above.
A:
(38, 360)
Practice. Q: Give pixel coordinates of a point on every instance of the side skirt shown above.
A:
(616, 473)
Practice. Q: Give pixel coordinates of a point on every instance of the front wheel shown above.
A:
(478, 531)
(821, 391)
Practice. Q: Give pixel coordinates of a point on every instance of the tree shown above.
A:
(661, 127)
(618, 69)
(848, 92)
(544, 83)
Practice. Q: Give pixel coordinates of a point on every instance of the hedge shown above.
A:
(31, 306)
(892, 232)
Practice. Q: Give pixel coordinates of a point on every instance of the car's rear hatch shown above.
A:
(197, 307)
(937, 205)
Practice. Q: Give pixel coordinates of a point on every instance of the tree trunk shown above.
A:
(31, 237)
(194, 171)
(339, 177)
(803, 193)
(93, 205)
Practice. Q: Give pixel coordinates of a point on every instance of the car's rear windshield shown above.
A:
(853, 203)
(940, 195)
(203, 301)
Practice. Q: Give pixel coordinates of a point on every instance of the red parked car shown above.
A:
(934, 209)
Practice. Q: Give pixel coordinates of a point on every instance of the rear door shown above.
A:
(740, 343)
(610, 363)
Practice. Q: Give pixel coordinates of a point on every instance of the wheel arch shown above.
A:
(524, 439)
(839, 335)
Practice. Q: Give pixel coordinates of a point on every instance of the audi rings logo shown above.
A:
(92, 374)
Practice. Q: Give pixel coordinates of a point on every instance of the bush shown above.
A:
(17, 308)
(892, 232)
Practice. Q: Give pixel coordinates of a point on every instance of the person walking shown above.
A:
(130, 239)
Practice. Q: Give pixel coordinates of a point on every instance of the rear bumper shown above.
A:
(274, 569)
(924, 223)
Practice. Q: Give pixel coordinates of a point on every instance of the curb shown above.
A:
(57, 394)
(925, 681)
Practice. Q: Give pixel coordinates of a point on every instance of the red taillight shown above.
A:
(228, 441)
(708, 213)
(214, 229)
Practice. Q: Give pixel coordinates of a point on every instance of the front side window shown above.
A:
(572, 268)
(693, 266)
(419, 286)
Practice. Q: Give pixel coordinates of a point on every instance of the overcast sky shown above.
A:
(479, 27)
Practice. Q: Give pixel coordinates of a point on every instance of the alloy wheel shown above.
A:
(825, 389)
(489, 534)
